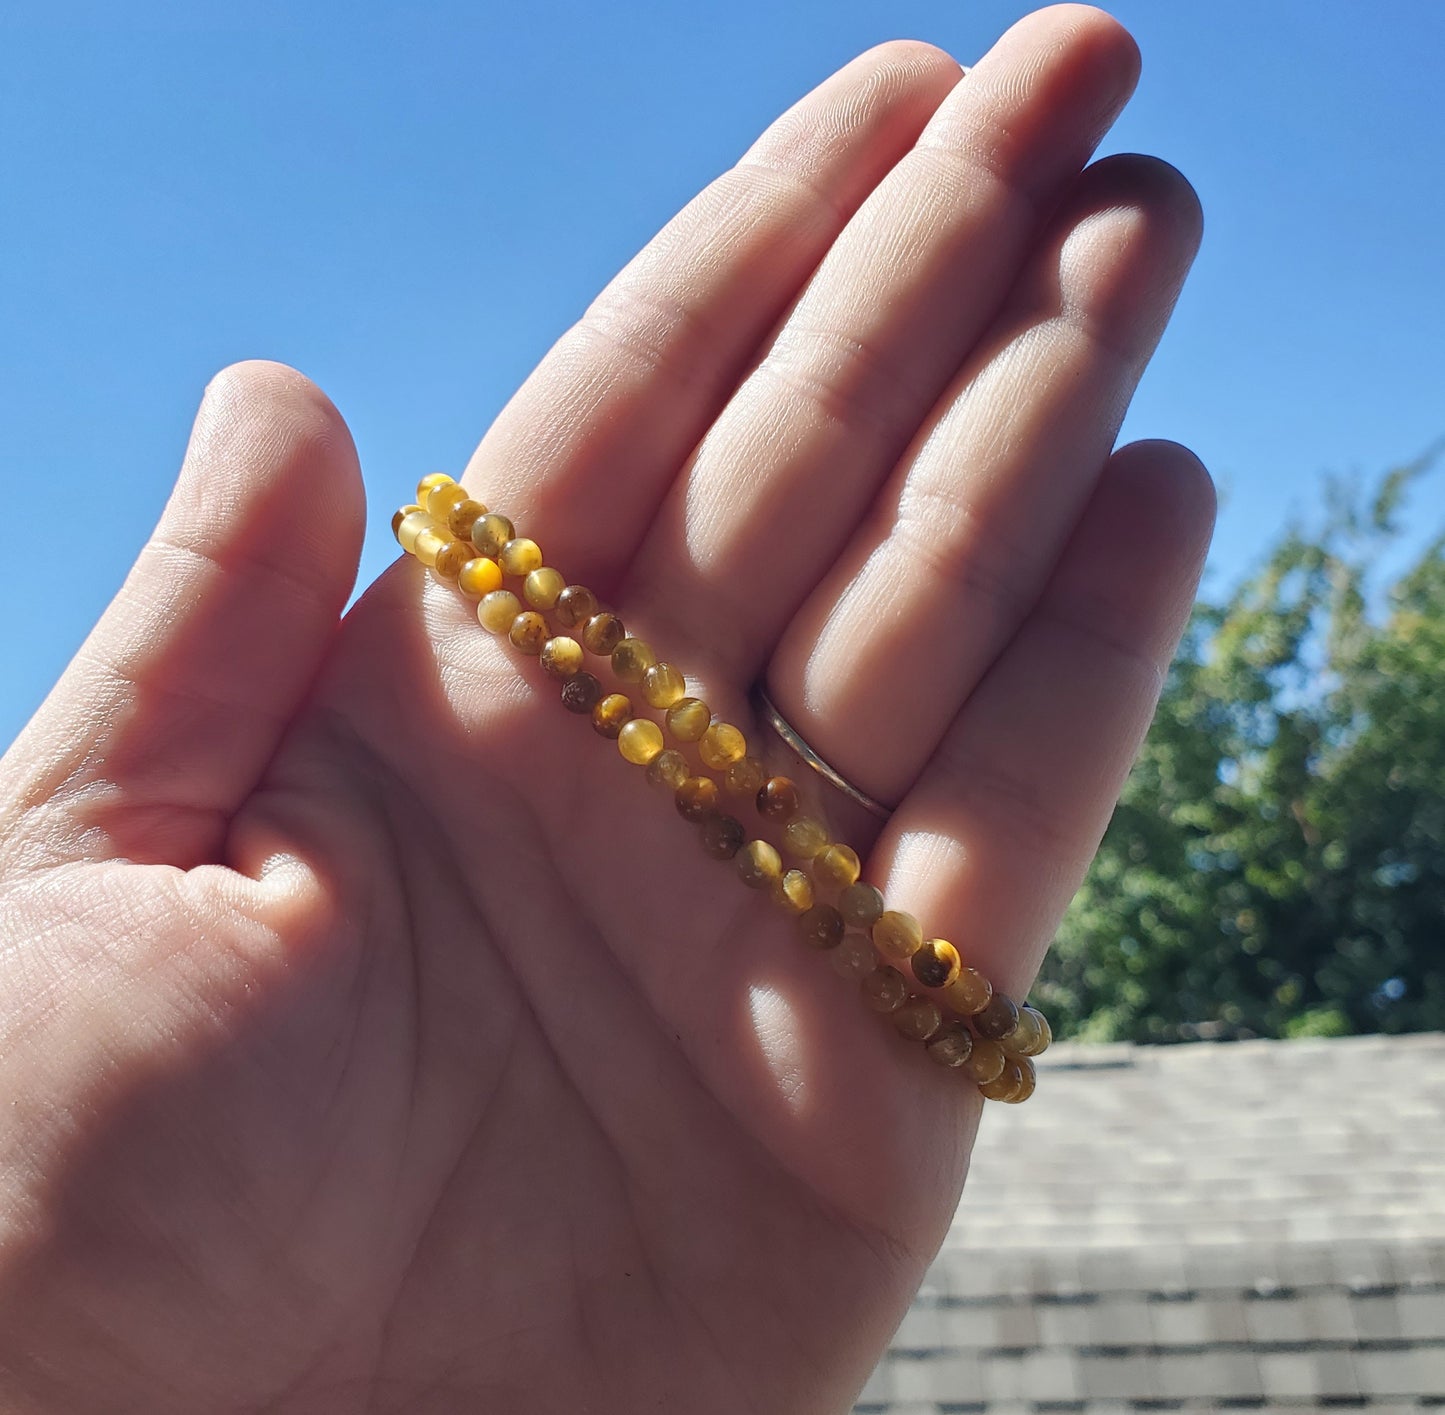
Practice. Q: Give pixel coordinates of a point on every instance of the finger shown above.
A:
(780, 481)
(162, 724)
(588, 445)
(996, 836)
(937, 581)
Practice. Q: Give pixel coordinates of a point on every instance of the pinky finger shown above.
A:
(1000, 828)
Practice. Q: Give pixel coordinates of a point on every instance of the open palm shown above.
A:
(375, 1038)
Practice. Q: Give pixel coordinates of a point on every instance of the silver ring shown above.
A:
(768, 711)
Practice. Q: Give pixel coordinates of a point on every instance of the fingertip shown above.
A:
(1169, 484)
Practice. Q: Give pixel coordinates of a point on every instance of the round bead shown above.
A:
(884, 989)
(479, 576)
(779, 800)
(1028, 1079)
(410, 528)
(520, 556)
(631, 659)
(688, 719)
(463, 516)
(451, 557)
(528, 632)
(610, 714)
(640, 741)
(602, 633)
(491, 532)
(822, 927)
(897, 935)
(580, 692)
(744, 777)
(860, 905)
(496, 611)
(759, 865)
(1046, 1032)
(805, 837)
(1006, 1085)
(838, 865)
(442, 500)
(431, 540)
(722, 836)
(854, 958)
(399, 515)
(668, 769)
(936, 964)
(998, 1019)
(561, 656)
(722, 745)
(575, 605)
(663, 686)
(951, 1045)
(969, 992)
(1024, 1035)
(986, 1062)
(542, 586)
(425, 486)
(795, 892)
(918, 1019)
(696, 797)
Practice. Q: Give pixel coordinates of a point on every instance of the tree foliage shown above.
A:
(1277, 864)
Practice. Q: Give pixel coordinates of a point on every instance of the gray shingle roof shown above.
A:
(1255, 1224)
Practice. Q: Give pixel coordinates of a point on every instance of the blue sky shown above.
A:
(410, 204)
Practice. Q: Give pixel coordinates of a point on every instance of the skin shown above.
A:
(375, 1038)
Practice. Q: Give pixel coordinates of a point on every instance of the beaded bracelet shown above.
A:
(963, 1022)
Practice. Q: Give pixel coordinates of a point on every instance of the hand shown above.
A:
(375, 1038)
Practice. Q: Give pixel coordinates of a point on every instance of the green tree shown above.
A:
(1277, 864)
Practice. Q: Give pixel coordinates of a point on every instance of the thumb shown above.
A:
(163, 722)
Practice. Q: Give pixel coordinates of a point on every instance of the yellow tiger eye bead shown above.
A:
(429, 482)
(688, 719)
(838, 865)
(663, 686)
(580, 693)
(429, 542)
(822, 927)
(778, 800)
(936, 964)
(745, 777)
(602, 633)
(1046, 1032)
(561, 656)
(631, 659)
(722, 836)
(985, 1063)
(722, 745)
(491, 533)
(520, 556)
(528, 632)
(805, 837)
(854, 958)
(611, 713)
(918, 1019)
(496, 610)
(542, 586)
(462, 517)
(794, 892)
(442, 500)
(668, 769)
(1024, 1035)
(951, 1045)
(1006, 1085)
(575, 605)
(411, 527)
(640, 741)
(1028, 1079)
(399, 516)
(759, 865)
(860, 905)
(451, 557)
(479, 576)
(998, 1019)
(696, 797)
(884, 989)
(969, 992)
(897, 935)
